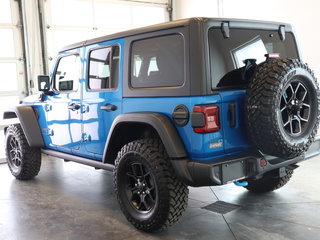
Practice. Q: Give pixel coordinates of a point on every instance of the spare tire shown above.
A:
(283, 107)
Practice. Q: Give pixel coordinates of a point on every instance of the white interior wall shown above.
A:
(303, 15)
(195, 8)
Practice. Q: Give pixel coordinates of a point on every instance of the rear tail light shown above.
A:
(205, 119)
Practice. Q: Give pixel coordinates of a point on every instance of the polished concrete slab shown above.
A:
(72, 201)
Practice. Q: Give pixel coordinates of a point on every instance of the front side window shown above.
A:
(104, 68)
(158, 62)
(67, 74)
(234, 59)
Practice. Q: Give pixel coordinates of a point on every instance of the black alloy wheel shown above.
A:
(295, 108)
(14, 153)
(141, 188)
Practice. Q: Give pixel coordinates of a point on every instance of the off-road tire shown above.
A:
(170, 194)
(282, 107)
(269, 183)
(24, 162)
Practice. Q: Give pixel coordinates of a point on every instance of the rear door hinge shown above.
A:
(84, 108)
(282, 32)
(225, 29)
(47, 131)
(48, 107)
(85, 137)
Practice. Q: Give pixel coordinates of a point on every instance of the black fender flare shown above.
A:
(162, 124)
(29, 123)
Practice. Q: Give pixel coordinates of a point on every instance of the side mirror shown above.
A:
(43, 83)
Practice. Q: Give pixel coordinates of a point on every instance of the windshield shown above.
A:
(233, 60)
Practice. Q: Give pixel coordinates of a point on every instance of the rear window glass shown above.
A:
(158, 62)
(234, 59)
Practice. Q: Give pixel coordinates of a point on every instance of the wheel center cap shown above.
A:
(140, 185)
(295, 106)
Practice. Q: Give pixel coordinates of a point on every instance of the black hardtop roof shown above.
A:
(180, 23)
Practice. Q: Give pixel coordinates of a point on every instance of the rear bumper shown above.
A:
(235, 168)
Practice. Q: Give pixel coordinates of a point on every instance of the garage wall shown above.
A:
(303, 15)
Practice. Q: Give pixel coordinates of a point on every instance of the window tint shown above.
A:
(104, 68)
(68, 73)
(233, 60)
(158, 62)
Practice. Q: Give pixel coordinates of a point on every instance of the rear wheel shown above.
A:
(269, 182)
(148, 192)
(24, 162)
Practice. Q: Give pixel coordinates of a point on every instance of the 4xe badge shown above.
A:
(216, 144)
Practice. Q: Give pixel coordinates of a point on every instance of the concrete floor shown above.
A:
(72, 201)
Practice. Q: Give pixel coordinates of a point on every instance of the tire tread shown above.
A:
(173, 205)
(268, 184)
(262, 101)
(31, 157)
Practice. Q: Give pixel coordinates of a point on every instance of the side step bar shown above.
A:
(85, 161)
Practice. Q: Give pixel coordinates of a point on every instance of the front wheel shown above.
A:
(24, 162)
(148, 192)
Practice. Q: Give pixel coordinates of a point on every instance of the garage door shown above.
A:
(70, 21)
(12, 64)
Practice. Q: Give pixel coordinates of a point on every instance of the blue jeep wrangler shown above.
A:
(195, 102)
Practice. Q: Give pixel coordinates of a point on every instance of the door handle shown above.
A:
(233, 117)
(74, 106)
(108, 107)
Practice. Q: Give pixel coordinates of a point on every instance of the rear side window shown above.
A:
(104, 68)
(67, 74)
(158, 62)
